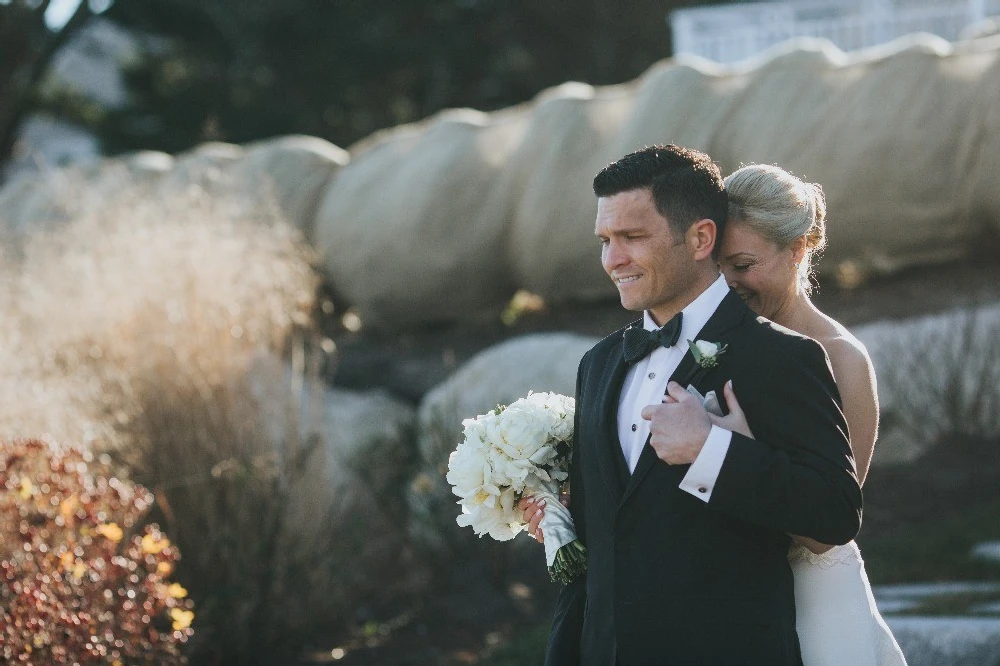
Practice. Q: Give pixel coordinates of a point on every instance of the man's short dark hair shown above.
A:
(686, 184)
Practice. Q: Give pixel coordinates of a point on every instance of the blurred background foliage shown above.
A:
(239, 70)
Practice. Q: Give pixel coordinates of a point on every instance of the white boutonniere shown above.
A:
(705, 353)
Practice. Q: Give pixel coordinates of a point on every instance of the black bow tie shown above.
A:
(639, 342)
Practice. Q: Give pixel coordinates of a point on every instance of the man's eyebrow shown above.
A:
(618, 232)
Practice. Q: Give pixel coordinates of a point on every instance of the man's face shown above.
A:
(648, 262)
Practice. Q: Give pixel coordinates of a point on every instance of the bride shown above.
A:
(776, 224)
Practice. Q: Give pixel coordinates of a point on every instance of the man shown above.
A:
(687, 529)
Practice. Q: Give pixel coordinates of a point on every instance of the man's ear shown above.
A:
(701, 238)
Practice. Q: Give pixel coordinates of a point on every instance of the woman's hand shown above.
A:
(532, 513)
(736, 420)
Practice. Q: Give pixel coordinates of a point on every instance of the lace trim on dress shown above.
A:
(836, 556)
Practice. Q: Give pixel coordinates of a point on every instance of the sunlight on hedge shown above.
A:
(136, 323)
(80, 580)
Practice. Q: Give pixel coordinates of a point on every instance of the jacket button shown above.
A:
(702, 489)
(634, 428)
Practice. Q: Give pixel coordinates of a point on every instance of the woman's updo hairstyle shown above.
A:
(779, 207)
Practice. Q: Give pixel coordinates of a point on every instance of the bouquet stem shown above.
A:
(570, 562)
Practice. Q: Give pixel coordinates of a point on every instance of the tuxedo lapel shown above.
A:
(729, 313)
(611, 459)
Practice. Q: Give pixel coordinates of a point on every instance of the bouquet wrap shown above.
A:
(557, 525)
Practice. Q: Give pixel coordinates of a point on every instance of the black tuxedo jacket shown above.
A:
(672, 579)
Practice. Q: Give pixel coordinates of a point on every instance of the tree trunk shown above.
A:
(16, 101)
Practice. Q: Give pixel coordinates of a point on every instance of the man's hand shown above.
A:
(679, 427)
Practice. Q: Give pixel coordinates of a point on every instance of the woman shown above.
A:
(776, 224)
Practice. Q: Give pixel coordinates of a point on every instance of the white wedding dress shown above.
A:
(836, 618)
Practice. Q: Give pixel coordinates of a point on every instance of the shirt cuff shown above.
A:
(704, 471)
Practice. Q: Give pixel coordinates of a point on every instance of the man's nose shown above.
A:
(613, 256)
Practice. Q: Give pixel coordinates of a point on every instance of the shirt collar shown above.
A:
(698, 311)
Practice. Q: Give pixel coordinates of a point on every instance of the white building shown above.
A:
(728, 33)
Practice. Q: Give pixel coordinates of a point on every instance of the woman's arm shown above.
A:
(855, 377)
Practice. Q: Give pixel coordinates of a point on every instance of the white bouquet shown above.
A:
(512, 452)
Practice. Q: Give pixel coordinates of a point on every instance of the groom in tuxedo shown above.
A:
(686, 523)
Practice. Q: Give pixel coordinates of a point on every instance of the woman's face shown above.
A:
(762, 272)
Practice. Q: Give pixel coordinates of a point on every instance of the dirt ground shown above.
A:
(470, 608)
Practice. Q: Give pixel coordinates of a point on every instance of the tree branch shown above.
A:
(32, 73)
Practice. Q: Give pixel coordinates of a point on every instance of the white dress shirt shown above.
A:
(646, 384)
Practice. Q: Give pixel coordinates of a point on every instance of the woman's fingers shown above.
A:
(731, 401)
(532, 513)
(535, 519)
(735, 420)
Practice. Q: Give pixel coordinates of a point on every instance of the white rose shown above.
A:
(706, 348)
(563, 428)
(502, 522)
(559, 411)
(524, 430)
(474, 432)
(470, 474)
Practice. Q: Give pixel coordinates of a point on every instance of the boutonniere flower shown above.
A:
(705, 353)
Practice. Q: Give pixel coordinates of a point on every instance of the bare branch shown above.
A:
(25, 80)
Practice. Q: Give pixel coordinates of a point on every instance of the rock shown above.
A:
(947, 641)
(28, 203)
(206, 166)
(498, 375)
(293, 170)
(148, 164)
(985, 28)
(951, 400)
(404, 230)
(988, 608)
(547, 186)
(921, 592)
(364, 439)
(42, 201)
(445, 219)
(942, 641)
(501, 201)
(987, 550)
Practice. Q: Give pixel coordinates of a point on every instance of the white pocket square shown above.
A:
(710, 402)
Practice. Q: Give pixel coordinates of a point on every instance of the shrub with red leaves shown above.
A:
(80, 582)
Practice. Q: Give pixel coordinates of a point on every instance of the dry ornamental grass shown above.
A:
(134, 325)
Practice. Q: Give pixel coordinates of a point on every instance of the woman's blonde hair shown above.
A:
(779, 207)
